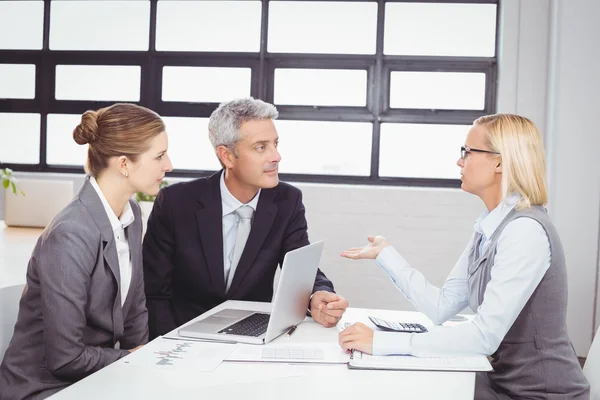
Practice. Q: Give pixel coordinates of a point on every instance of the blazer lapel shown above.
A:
(111, 259)
(266, 211)
(89, 197)
(210, 227)
(134, 238)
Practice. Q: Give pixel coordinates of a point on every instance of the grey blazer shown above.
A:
(70, 316)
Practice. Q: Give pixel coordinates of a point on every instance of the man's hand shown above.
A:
(327, 308)
(357, 337)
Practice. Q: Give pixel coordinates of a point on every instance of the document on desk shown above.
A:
(316, 353)
(174, 354)
(360, 360)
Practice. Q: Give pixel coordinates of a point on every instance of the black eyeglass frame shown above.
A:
(464, 151)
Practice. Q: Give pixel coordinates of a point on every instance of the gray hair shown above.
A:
(225, 122)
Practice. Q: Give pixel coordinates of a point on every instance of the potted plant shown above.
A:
(8, 181)
(146, 202)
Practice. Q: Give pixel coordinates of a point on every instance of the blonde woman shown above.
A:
(512, 274)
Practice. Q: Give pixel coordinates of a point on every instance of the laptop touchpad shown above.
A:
(211, 324)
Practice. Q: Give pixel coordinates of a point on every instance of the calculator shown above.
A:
(398, 326)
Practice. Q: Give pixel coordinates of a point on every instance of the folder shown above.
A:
(360, 360)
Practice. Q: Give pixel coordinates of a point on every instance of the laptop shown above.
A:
(43, 199)
(290, 304)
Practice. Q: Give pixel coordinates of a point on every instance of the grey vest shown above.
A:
(536, 359)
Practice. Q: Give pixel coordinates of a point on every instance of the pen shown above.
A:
(292, 329)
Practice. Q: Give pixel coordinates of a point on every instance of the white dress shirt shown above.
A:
(118, 226)
(230, 222)
(521, 261)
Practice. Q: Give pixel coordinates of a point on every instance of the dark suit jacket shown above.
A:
(183, 250)
(70, 315)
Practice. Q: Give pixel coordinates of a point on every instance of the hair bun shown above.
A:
(87, 130)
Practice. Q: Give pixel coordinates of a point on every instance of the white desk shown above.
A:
(16, 245)
(276, 381)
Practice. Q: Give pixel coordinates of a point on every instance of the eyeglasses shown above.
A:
(464, 151)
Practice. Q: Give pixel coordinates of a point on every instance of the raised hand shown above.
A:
(369, 251)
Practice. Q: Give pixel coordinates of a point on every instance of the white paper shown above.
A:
(175, 354)
(465, 363)
(230, 373)
(291, 353)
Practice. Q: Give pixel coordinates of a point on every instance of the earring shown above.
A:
(126, 174)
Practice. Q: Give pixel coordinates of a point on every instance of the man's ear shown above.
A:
(226, 156)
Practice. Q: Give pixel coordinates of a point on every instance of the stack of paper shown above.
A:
(320, 353)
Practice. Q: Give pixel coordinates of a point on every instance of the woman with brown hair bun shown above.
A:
(84, 305)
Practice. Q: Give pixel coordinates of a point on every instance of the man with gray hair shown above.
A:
(221, 238)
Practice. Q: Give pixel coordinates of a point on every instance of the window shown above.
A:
(98, 82)
(21, 24)
(430, 29)
(322, 27)
(19, 138)
(368, 91)
(62, 149)
(99, 25)
(205, 84)
(324, 147)
(325, 87)
(17, 81)
(437, 90)
(421, 150)
(189, 147)
(222, 26)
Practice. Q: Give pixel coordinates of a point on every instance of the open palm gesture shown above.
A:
(369, 251)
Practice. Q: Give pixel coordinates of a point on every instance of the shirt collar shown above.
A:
(489, 221)
(127, 216)
(230, 203)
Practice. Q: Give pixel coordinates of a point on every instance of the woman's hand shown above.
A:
(370, 251)
(357, 336)
(136, 348)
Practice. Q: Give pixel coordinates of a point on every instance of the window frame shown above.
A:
(262, 65)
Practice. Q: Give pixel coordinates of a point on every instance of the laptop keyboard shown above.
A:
(253, 325)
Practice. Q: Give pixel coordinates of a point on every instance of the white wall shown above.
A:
(409, 217)
(549, 72)
(574, 140)
(430, 227)
(548, 57)
(523, 58)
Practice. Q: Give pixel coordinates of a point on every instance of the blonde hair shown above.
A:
(519, 142)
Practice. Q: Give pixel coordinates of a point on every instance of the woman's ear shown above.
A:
(122, 163)
(499, 167)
